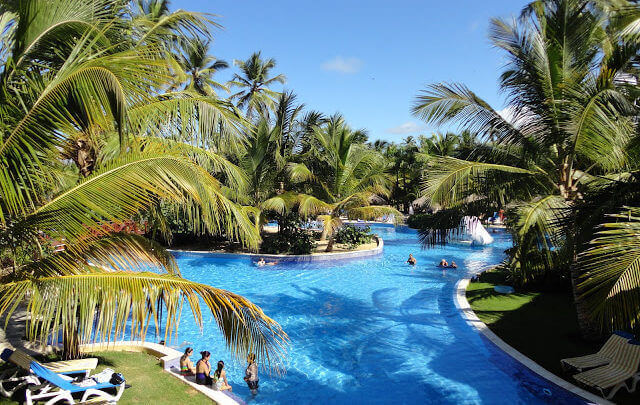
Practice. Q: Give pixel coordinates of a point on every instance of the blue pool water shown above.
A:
(370, 331)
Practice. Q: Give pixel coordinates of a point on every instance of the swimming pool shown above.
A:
(371, 330)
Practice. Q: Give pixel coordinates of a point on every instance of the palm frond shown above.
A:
(135, 181)
(113, 251)
(610, 268)
(454, 103)
(372, 212)
(449, 180)
(103, 304)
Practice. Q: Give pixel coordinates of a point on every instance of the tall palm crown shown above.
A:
(101, 284)
(570, 121)
(254, 81)
(344, 177)
(201, 67)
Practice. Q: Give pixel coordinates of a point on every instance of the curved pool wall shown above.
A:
(371, 330)
(281, 259)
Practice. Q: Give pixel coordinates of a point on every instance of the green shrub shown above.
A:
(303, 242)
(290, 239)
(353, 236)
(275, 244)
(418, 221)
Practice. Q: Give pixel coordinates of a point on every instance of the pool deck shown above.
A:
(472, 319)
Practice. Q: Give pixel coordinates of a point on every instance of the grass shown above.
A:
(542, 326)
(149, 384)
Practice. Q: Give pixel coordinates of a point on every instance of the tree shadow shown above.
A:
(415, 350)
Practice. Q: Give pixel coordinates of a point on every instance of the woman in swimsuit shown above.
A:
(203, 369)
(186, 365)
(220, 378)
(412, 260)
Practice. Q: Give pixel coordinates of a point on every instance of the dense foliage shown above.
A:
(354, 236)
(115, 134)
(98, 137)
(291, 237)
(563, 160)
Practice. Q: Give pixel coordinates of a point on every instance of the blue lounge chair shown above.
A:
(57, 389)
(12, 380)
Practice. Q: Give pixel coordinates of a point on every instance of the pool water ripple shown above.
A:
(370, 331)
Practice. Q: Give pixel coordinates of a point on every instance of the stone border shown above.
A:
(318, 257)
(170, 359)
(472, 319)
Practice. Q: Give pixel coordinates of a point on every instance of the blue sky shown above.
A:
(365, 59)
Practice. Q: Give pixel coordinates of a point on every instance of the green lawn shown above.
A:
(149, 384)
(542, 326)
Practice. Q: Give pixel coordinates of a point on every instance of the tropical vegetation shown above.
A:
(116, 134)
(562, 160)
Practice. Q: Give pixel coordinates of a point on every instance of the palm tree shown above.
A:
(261, 161)
(347, 177)
(570, 122)
(99, 285)
(152, 20)
(254, 81)
(201, 67)
(440, 145)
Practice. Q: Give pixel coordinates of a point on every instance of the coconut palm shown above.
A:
(570, 121)
(440, 145)
(101, 283)
(201, 67)
(261, 161)
(152, 20)
(342, 177)
(254, 81)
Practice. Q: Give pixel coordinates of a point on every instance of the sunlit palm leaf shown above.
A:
(542, 217)
(449, 180)
(117, 251)
(205, 121)
(610, 270)
(135, 181)
(455, 103)
(103, 304)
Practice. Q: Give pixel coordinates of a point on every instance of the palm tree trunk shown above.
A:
(588, 330)
(330, 244)
(71, 344)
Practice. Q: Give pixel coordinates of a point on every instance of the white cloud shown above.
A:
(406, 128)
(508, 114)
(343, 65)
(517, 119)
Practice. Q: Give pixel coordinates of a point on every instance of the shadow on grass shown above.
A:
(542, 326)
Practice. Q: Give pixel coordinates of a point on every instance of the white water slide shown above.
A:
(472, 230)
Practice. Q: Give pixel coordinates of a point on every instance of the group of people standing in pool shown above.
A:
(218, 381)
(443, 263)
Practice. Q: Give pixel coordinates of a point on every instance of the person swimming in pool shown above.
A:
(453, 265)
(262, 262)
(412, 260)
(443, 263)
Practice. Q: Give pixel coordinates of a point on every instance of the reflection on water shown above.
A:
(370, 331)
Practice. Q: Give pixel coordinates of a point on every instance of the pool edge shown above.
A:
(294, 258)
(472, 319)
